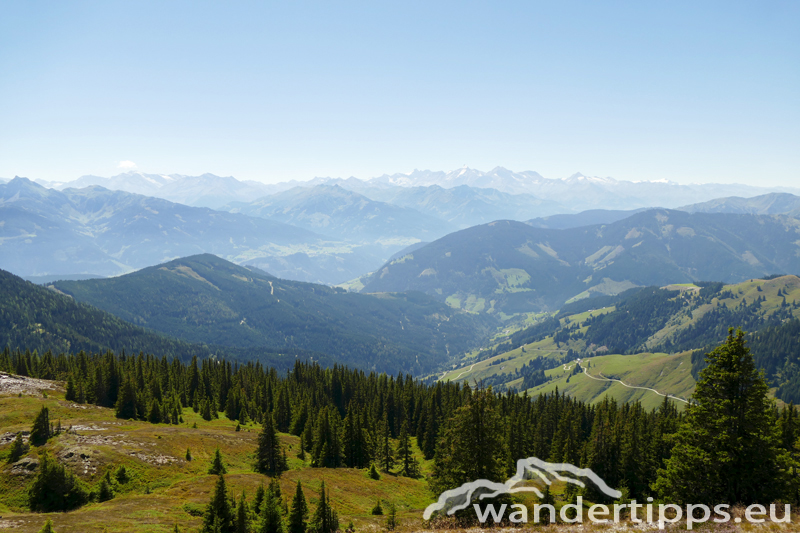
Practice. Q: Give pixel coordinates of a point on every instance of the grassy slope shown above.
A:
(668, 374)
(180, 485)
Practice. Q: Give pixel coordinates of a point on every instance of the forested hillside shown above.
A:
(650, 337)
(508, 267)
(35, 318)
(205, 299)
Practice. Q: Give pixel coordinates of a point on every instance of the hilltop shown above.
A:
(205, 299)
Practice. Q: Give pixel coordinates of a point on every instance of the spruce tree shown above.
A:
(391, 518)
(271, 521)
(217, 466)
(55, 488)
(727, 449)
(218, 515)
(258, 500)
(385, 449)
(325, 519)
(409, 466)
(40, 431)
(47, 527)
(472, 445)
(298, 516)
(17, 449)
(268, 454)
(126, 401)
(70, 395)
(242, 521)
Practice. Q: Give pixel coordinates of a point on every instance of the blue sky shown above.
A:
(686, 91)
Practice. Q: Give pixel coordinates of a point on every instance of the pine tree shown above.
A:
(271, 521)
(55, 488)
(325, 519)
(268, 454)
(217, 466)
(409, 466)
(391, 518)
(17, 450)
(188, 454)
(47, 527)
(70, 395)
(258, 500)
(40, 431)
(473, 444)
(218, 515)
(298, 516)
(727, 449)
(126, 402)
(385, 448)
(105, 491)
(242, 522)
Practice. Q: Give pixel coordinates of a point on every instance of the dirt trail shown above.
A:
(603, 378)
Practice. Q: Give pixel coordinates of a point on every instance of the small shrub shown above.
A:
(372, 473)
(193, 509)
(377, 510)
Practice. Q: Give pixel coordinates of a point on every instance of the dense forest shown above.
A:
(205, 299)
(348, 418)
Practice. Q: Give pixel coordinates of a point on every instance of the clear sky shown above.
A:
(688, 91)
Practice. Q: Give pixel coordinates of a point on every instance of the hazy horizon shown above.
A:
(692, 93)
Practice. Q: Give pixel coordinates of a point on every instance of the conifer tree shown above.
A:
(727, 449)
(472, 445)
(70, 393)
(268, 454)
(385, 449)
(409, 466)
(17, 450)
(391, 518)
(298, 516)
(258, 500)
(242, 522)
(47, 527)
(217, 466)
(55, 488)
(218, 515)
(126, 402)
(271, 521)
(40, 431)
(325, 519)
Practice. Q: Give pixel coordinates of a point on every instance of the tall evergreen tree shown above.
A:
(472, 445)
(409, 466)
(727, 450)
(40, 431)
(325, 519)
(242, 520)
(217, 466)
(218, 515)
(271, 520)
(55, 488)
(17, 449)
(298, 516)
(268, 454)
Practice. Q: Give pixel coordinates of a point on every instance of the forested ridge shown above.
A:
(348, 418)
(205, 299)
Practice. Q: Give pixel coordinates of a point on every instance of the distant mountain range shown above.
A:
(510, 267)
(346, 215)
(573, 194)
(46, 232)
(205, 299)
(206, 190)
(767, 204)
